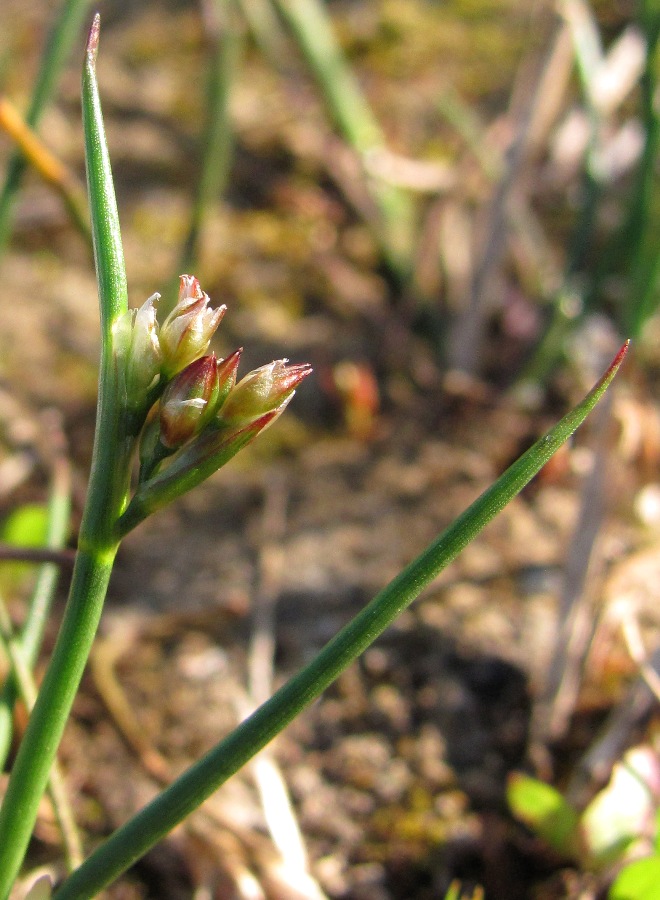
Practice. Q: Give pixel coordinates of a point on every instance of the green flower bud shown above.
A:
(139, 355)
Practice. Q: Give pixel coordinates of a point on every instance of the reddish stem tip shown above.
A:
(618, 359)
(93, 39)
(614, 366)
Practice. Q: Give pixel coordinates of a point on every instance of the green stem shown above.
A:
(106, 498)
(31, 770)
(152, 823)
(57, 785)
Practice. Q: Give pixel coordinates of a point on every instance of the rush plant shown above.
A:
(181, 412)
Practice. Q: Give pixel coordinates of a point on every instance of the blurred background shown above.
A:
(451, 210)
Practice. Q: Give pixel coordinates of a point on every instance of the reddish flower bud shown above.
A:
(187, 331)
(188, 402)
(264, 390)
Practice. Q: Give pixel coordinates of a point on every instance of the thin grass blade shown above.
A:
(310, 25)
(63, 35)
(59, 508)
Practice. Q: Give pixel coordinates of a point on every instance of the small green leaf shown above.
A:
(639, 880)
(545, 811)
(25, 526)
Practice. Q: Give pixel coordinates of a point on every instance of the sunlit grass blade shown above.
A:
(265, 29)
(569, 301)
(27, 691)
(455, 892)
(184, 795)
(309, 23)
(643, 226)
(59, 506)
(65, 32)
(224, 55)
(632, 258)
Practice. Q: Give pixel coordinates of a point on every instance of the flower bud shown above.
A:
(187, 331)
(188, 401)
(136, 338)
(227, 376)
(264, 390)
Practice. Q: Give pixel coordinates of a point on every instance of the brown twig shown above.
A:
(102, 660)
(466, 341)
(270, 783)
(51, 169)
(11, 553)
(638, 654)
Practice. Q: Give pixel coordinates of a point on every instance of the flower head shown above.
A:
(187, 331)
(189, 413)
(250, 406)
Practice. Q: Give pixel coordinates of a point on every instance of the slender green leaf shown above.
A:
(109, 476)
(108, 252)
(59, 508)
(65, 31)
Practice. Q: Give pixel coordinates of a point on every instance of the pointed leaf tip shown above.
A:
(614, 367)
(93, 38)
(618, 359)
